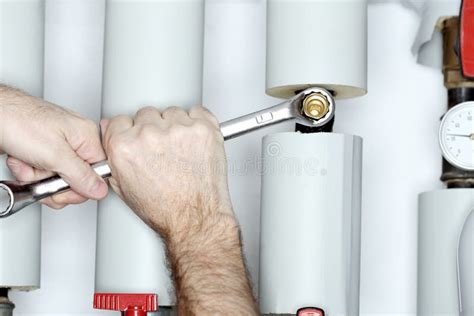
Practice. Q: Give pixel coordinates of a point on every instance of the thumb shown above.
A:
(80, 175)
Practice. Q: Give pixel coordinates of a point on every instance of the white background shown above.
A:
(398, 120)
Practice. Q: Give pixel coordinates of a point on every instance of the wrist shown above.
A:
(189, 228)
(216, 234)
(208, 266)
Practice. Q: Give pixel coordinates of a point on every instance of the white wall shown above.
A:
(398, 120)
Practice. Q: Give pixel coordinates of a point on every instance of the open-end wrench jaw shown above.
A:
(313, 107)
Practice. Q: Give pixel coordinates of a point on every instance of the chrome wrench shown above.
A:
(312, 107)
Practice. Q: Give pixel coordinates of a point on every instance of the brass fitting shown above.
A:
(316, 106)
(453, 77)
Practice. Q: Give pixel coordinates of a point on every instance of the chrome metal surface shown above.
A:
(291, 109)
(24, 194)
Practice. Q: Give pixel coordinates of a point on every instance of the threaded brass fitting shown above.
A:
(316, 106)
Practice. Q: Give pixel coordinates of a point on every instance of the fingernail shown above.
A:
(99, 189)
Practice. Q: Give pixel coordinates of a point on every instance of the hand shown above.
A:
(170, 167)
(42, 139)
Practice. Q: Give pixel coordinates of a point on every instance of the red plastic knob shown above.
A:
(130, 304)
(466, 38)
(310, 311)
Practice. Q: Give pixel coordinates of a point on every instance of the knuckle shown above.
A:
(117, 146)
(118, 120)
(172, 110)
(178, 130)
(148, 131)
(88, 126)
(146, 111)
(201, 128)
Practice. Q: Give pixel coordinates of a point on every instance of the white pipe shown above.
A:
(310, 223)
(428, 44)
(153, 56)
(21, 66)
(466, 266)
(72, 79)
(441, 216)
(317, 43)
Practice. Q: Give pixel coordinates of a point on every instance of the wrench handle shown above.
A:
(251, 122)
(56, 184)
(230, 129)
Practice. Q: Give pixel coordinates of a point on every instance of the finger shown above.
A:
(176, 115)
(48, 202)
(69, 197)
(87, 143)
(24, 172)
(116, 187)
(116, 125)
(148, 115)
(200, 112)
(104, 124)
(80, 175)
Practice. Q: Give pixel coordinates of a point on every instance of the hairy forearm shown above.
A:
(208, 268)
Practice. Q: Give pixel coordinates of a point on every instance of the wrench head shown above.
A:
(6, 200)
(303, 117)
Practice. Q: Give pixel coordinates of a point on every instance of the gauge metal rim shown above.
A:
(444, 149)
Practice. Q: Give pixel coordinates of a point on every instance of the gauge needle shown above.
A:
(471, 136)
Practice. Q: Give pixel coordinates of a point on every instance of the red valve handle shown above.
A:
(130, 304)
(310, 311)
(466, 38)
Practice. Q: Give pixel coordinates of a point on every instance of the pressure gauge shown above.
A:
(456, 136)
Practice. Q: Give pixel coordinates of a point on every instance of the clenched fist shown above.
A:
(169, 167)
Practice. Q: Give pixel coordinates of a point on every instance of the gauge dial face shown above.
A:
(456, 136)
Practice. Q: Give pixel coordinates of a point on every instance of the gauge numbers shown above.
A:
(456, 136)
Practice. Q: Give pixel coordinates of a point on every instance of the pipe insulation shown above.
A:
(310, 223)
(441, 218)
(316, 43)
(21, 66)
(153, 56)
(428, 43)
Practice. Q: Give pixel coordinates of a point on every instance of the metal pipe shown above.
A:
(460, 89)
(6, 306)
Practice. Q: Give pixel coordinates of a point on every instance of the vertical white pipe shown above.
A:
(466, 266)
(72, 79)
(21, 66)
(310, 223)
(317, 43)
(234, 85)
(153, 56)
(441, 216)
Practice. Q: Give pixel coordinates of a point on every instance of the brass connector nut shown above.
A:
(315, 106)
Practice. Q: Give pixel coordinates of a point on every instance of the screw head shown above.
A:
(316, 106)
